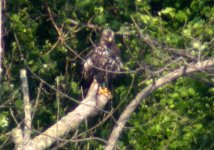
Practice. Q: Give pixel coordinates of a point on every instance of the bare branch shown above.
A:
(117, 130)
(27, 107)
(22, 138)
(37, 99)
(1, 46)
(18, 138)
(87, 108)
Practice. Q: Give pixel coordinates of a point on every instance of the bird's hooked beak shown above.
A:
(110, 39)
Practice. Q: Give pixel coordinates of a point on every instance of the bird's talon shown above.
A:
(104, 91)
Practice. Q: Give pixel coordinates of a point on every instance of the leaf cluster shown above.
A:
(46, 36)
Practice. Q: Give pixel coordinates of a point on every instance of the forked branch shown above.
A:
(185, 70)
(87, 108)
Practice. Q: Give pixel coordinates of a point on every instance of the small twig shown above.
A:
(37, 99)
(6, 141)
(58, 103)
(154, 44)
(181, 52)
(14, 118)
(53, 47)
(52, 21)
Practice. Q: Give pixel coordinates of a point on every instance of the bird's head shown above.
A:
(107, 36)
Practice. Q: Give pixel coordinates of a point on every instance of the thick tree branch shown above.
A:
(148, 90)
(23, 138)
(87, 108)
(18, 138)
(27, 107)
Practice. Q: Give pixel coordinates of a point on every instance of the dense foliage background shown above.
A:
(177, 116)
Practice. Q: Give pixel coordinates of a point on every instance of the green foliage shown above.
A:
(177, 116)
(3, 120)
(177, 119)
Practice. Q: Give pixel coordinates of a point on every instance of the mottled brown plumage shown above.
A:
(102, 62)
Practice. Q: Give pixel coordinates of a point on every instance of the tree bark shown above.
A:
(117, 130)
(87, 108)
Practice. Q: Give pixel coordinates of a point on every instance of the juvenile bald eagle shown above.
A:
(102, 62)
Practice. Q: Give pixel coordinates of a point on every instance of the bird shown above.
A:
(102, 63)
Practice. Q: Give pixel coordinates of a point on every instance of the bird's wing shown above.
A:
(87, 66)
(116, 60)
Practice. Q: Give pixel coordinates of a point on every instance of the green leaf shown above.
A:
(169, 11)
(181, 16)
(3, 120)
